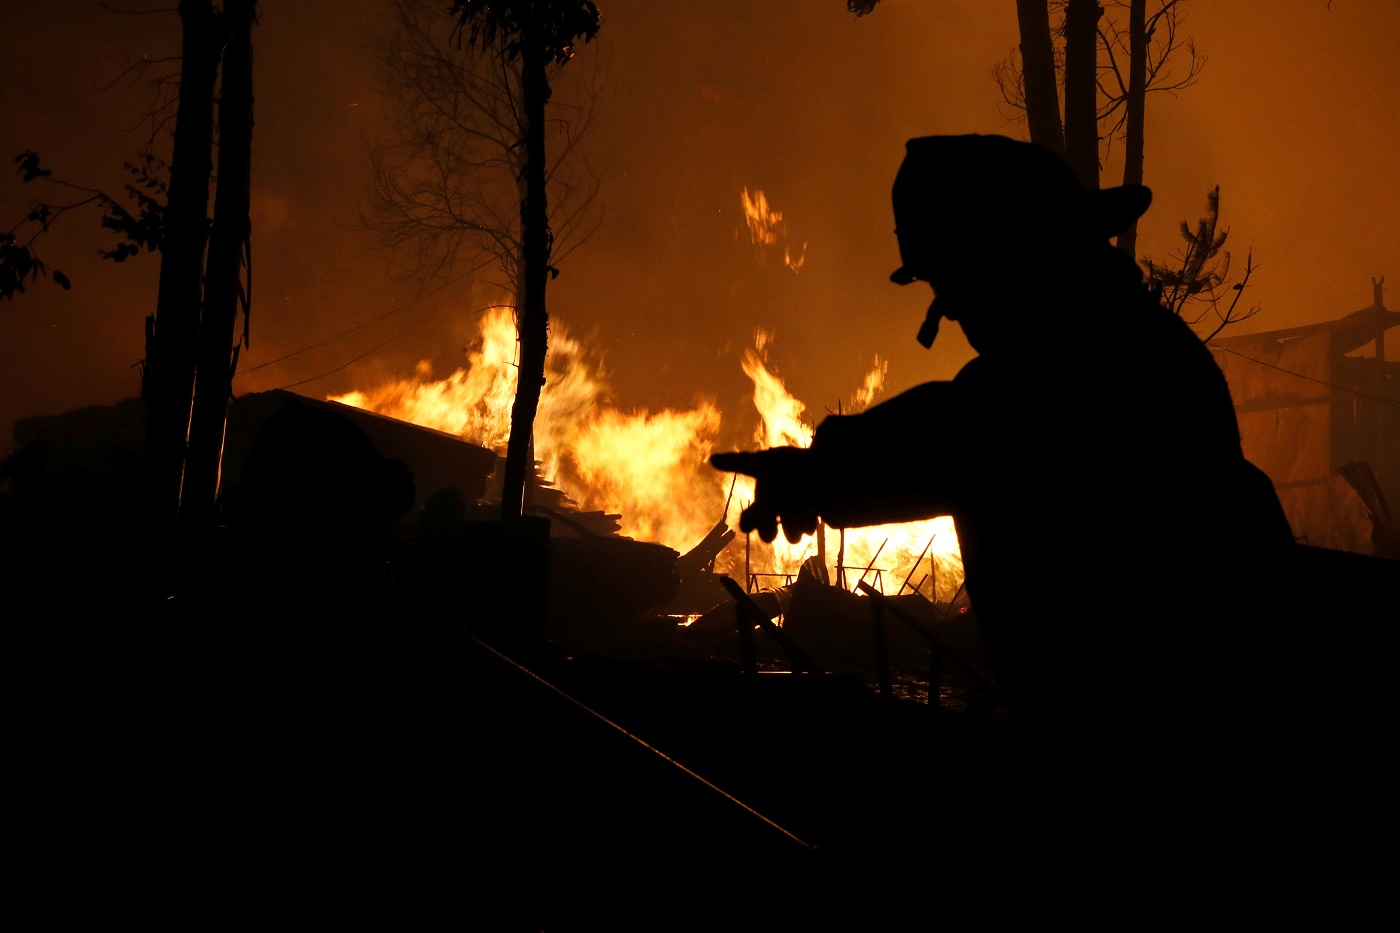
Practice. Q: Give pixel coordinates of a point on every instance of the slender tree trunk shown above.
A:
(532, 316)
(1081, 90)
(1137, 111)
(229, 238)
(1038, 75)
(172, 347)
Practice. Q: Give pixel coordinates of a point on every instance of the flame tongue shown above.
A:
(781, 415)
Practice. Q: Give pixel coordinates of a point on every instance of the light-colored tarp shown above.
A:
(1255, 370)
(1286, 430)
(1289, 444)
(1328, 514)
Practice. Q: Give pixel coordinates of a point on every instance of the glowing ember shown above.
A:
(651, 467)
(766, 228)
(763, 223)
(795, 262)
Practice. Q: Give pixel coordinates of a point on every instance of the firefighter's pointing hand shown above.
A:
(784, 491)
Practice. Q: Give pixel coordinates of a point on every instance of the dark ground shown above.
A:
(399, 774)
(309, 734)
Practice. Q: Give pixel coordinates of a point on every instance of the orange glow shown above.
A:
(651, 467)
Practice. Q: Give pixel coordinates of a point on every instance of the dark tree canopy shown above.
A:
(552, 25)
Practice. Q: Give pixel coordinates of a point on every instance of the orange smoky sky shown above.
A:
(1296, 117)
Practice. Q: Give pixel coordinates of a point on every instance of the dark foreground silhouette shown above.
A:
(331, 724)
(1126, 562)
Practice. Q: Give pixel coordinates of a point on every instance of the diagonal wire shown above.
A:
(364, 324)
(1331, 385)
(642, 742)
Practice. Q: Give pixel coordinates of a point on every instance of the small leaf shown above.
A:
(61, 280)
(29, 166)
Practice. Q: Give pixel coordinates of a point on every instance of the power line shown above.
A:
(380, 346)
(361, 326)
(330, 340)
(1331, 385)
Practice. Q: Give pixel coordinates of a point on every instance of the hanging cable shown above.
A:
(375, 320)
(1331, 385)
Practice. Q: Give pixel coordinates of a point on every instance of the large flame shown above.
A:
(647, 468)
(651, 467)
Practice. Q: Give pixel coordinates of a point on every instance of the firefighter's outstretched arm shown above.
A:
(866, 469)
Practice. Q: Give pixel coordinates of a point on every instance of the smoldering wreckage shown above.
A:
(370, 632)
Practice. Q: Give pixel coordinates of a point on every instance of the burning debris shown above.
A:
(654, 584)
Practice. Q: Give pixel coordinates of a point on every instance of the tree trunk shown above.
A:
(171, 358)
(1081, 90)
(223, 291)
(531, 315)
(1137, 111)
(1038, 75)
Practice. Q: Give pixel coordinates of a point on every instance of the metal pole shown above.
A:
(916, 565)
(872, 562)
(748, 561)
(841, 561)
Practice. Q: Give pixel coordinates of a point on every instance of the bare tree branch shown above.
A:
(1165, 44)
(1195, 281)
(444, 175)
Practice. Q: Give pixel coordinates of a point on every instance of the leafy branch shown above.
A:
(140, 227)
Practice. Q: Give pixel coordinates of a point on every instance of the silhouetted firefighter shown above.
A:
(1119, 550)
(1115, 539)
